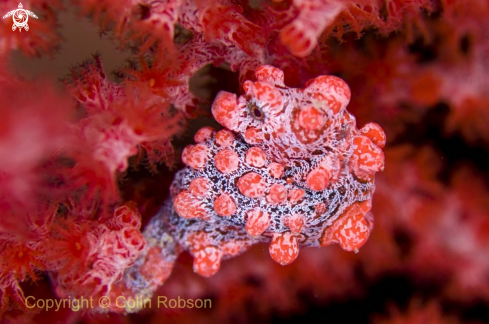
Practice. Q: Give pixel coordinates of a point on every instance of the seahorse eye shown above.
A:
(255, 111)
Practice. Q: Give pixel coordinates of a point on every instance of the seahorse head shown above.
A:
(287, 122)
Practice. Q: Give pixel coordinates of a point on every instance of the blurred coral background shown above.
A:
(99, 98)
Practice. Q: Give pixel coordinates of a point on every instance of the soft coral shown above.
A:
(33, 129)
